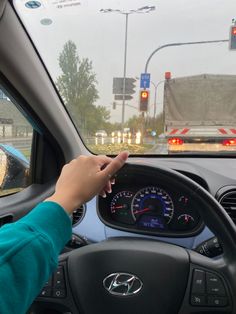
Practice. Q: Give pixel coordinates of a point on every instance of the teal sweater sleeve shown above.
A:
(29, 250)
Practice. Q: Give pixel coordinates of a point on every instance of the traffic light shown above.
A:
(144, 100)
(232, 43)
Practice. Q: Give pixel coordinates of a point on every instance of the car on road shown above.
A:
(164, 240)
(101, 133)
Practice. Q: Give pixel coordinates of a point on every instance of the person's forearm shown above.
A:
(29, 252)
(64, 202)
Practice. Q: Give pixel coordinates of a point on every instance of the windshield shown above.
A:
(153, 77)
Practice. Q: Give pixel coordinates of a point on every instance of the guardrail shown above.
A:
(21, 143)
(118, 140)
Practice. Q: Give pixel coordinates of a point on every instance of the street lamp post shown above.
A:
(145, 9)
(155, 96)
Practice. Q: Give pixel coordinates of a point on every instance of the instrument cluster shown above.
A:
(151, 209)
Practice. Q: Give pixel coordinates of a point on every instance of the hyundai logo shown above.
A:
(122, 284)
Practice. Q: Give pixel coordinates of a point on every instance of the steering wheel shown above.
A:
(142, 276)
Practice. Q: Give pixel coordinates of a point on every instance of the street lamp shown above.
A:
(142, 10)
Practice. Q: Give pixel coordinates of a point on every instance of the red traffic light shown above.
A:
(167, 75)
(144, 99)
(232, 39)
(233, 30)
(144, 95)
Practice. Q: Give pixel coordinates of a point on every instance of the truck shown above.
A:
(200, 113)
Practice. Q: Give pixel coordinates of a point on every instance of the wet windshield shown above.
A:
(153, 77)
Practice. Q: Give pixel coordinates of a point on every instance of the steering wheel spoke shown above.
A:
(208, 289)
(56, 293)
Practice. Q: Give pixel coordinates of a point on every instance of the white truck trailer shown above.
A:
(200, 113)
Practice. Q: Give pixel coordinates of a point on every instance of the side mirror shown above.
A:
(14, 169)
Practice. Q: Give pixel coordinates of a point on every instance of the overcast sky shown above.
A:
(100, 37)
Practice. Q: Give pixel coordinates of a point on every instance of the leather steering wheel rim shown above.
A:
(88, 267)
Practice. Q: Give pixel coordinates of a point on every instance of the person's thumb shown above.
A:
(115, 165)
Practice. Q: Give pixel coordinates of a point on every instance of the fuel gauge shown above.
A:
(186, 221)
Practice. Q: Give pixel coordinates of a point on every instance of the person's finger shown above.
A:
(102, 193)
(107, 187)
(103, 160)
(115, 165)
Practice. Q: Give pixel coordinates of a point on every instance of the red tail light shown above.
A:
(229, 142)
(175, 141)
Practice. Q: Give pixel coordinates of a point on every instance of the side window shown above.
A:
(16, 136)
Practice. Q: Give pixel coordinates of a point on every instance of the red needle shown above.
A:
(118, 207)
(142, 211)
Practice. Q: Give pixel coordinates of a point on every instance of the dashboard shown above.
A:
(216, 175)
(143, 201)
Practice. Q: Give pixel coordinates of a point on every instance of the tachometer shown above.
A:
(154, 202)
(121, 207)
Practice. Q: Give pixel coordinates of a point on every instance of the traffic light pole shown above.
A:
(155, 96)
(182, 44)
(155, 100)
(124, 76)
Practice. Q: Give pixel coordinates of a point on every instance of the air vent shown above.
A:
(78, 215)
(6, 219)
(228, 201)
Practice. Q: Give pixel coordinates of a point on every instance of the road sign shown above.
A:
(145, 80)
(120, 97)
(118, 85)
(130, 86)
(32, 4)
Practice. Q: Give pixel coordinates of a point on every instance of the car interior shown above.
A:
(164, 240)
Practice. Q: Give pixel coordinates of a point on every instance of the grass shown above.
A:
(26, 153)
(113, 149)
(10, 191)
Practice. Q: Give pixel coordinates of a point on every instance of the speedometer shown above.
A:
(155, 203)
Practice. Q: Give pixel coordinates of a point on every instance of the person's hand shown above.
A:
(85, 177)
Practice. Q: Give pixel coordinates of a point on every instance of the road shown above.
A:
(158, 149)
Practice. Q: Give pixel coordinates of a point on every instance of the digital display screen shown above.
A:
(151, 222)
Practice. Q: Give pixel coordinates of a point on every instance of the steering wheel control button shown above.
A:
(214, 285)
(198, 300)
(55, 286)
(217, 301)
(207, 289)
(46, 292)
(59, 283)
(59, 293)
(59, 280)
(199, 282)
(59, 273)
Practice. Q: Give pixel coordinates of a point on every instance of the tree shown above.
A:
(140, 123)
(77, 86)
(135, 123)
